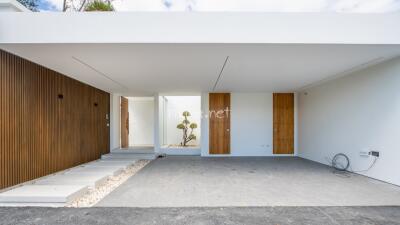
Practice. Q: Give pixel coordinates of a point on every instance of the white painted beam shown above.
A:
(179, 27)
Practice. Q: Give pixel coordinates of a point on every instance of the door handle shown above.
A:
(228, 130)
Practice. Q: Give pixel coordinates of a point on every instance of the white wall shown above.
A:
(358, 112)
(174, 107)
(4, 8)
(141, 121)
(251, 125)
(115, 114)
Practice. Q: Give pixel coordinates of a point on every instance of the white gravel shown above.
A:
(95, 195)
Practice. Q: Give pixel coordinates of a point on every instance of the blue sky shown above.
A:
(356, 6)
(45, 5)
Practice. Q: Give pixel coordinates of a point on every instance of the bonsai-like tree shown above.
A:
(184, 126)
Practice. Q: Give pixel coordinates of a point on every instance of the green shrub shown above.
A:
(99, 5)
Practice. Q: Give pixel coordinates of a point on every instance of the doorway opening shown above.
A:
(137, 123)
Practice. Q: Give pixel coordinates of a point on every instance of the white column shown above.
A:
(157, 121)
(115, 108)
(204, 125)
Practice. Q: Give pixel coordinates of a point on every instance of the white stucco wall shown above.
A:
(358, 112)
(251, 124)
(141, 121)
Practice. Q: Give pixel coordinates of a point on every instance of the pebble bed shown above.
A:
(95, 195)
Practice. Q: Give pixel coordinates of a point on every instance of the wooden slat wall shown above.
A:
(41, 133)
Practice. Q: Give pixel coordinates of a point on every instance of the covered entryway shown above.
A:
(137, 124)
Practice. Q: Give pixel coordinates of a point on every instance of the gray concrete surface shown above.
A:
(285, 181)
(197, 216)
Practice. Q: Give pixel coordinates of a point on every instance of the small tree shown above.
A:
(87, 5)
(184, 126)
(98, 5)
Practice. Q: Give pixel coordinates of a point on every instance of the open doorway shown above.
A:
(137, 123)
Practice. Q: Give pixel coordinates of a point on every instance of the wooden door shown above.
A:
(124, 123)
(283, 123)
(219, 134)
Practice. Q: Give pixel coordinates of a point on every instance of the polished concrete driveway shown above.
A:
(210, 182)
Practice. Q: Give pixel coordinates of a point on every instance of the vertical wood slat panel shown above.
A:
(41, 133)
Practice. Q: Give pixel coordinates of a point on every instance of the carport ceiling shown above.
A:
(144, 69)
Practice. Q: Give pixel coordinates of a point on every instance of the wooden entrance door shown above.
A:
(283, 123)
(124, 123)
(220, 138)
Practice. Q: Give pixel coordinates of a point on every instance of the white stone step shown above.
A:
(123, 164)
(118, 160)
(42, 195)
(91, 180)
(110, 171)
(134, 150)
(126, 156)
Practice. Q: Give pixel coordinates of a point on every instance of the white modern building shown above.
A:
(305, 85)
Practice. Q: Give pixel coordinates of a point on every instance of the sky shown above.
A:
(349, 6)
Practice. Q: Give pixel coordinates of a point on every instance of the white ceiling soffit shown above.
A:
(146, 69)
(200, 27)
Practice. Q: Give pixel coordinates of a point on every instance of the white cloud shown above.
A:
(359, 6)
(139, 5)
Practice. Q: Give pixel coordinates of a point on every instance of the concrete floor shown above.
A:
(224, 182)
(196, 216)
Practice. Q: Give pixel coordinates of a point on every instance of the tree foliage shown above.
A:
(87, 5)
(98, 5)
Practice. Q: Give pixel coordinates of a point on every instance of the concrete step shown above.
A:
(126, 156)
(109, 171)
(92, 180)
(105, 163)
(118, 160)
(134, 150)
(42, 195)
